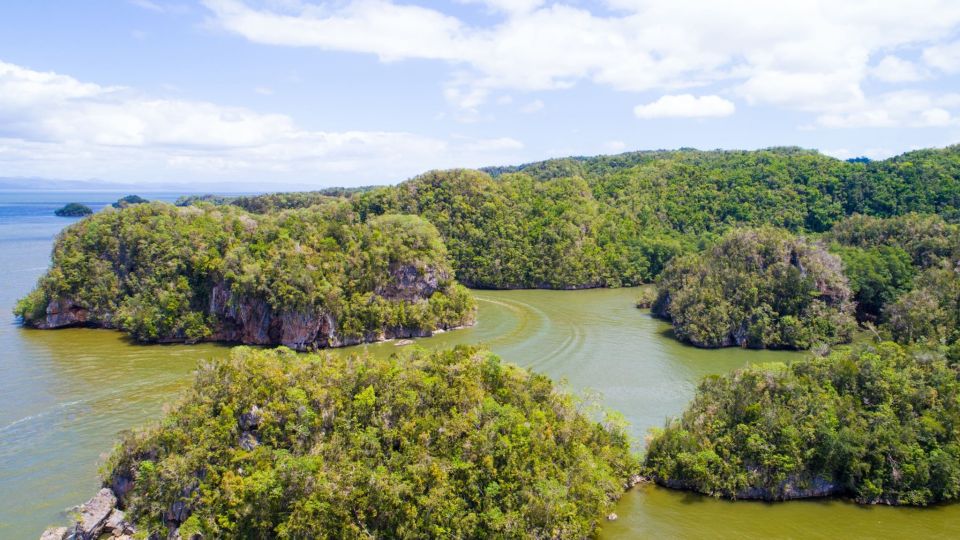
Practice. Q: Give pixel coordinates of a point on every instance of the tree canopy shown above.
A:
(451, 444)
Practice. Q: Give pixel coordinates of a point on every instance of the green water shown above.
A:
(65, 395)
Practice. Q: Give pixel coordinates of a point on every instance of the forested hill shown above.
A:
(616, 220)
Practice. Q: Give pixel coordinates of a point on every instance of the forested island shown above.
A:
(308, 278)
(781, 248)
(453, 444)
(73, 210)
(877, 424)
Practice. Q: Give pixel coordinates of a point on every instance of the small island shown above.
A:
(757, 288)
(73, 210)
(307, 278)
(875, 424)
(451, 444)
(129, 200)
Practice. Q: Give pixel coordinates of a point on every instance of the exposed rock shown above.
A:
(251, 420)
(96, 517)
(54, 533)
(634, 480)
(121, 485)
(117, 524)
(251, 321)
(94, 514)
(410, 283)
(787, 490)
(404, 342)
(62, 312)
(248, 441)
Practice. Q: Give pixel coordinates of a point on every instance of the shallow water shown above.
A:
(66, 394)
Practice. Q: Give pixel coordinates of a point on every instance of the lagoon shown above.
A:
(66, 394)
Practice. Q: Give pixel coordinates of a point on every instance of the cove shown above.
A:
(64, 396)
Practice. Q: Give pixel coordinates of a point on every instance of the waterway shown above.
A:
(65, 396)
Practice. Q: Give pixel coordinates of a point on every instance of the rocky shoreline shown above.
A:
(251, 321)
(94, 518)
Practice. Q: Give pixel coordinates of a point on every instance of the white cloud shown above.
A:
(943, 57)
(809, 55)
(685, 106)
(54, 125)
(896, 70)
(897, 109)
(872, 153)
(263, 90)
(614, 146)
(148, 5)
(532, 107)
(508, 6)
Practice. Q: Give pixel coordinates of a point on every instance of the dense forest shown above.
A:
(451, 444)
(779, 248)
(306, 278)
(758, 288)
(875, 423)
(617, 220)
(878, 424)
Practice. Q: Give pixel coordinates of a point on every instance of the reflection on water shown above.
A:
(65, 395)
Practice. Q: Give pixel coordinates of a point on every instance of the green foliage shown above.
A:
(129, 200)
(273, 202)
(154, 269)
(451, 444)
(73, 210)
(617, 220)
(878, 275)
(876, 424)
(930, 313)
(928, 239)
(758, 288)
(882, 258)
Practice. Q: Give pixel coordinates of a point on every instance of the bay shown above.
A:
(66, 395)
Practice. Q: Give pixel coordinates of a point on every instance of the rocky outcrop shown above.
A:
(251, 321)
(94, 518)
(793, 487)
(410, 283)
(62, 312)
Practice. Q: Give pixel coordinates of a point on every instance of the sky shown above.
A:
(291, 93)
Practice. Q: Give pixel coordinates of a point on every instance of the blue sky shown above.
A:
(290, 93)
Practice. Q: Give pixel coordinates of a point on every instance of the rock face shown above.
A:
(252, 321)
(787, 490)
(63, 312)
(96, 517)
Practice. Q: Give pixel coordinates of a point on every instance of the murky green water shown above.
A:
(64, 396)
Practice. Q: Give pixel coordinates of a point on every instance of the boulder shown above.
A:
(94, 514)
(251, 420)
(54, 533)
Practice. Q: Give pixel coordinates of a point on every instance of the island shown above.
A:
(876, 424)
(123, 202)
(73, 210)
(758, 288)
(308, 278)
(453, 444)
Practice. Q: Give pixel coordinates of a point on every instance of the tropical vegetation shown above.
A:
(449, 444)
(876, 423)
(757, 288)
(308, 278)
